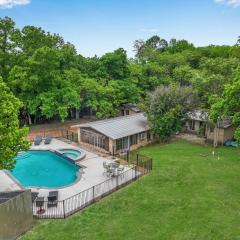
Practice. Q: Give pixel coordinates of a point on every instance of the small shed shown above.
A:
(129, 109)
(198, 122)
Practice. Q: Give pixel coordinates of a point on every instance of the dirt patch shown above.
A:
(54, 128)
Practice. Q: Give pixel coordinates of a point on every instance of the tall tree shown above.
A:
(12, 138)
(229, 104)
(7, 45)
(167, 106)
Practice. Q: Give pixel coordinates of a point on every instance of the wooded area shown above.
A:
(53, 81)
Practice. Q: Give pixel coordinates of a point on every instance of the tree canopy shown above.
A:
(12, 138)
(53, 81)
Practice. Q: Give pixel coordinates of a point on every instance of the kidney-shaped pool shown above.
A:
(44, 169)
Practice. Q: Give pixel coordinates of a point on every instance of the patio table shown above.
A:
(114, 165)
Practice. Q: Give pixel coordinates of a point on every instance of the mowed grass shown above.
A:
(189, 195)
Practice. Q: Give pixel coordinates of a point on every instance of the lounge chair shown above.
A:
(37, 140)
(53, 199)
(48, 139)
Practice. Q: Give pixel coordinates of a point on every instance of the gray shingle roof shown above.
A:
(119, 127)
(198, 115)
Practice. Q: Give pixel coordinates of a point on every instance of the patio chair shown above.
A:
(110, 172)
(120, 169)
(39, 205)
(34, 196)
(37, 140)
(48, 139)
(52, 199)
(105, 167)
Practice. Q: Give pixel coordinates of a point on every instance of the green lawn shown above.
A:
(187, 196)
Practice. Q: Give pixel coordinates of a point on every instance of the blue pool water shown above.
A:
(44, 169)
(74, 154)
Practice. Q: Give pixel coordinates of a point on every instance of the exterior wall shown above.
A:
(223, 134)
(140, 143)
(111, 144)
(197, 126)
(96, 132)
(16, 216)
(229, 133)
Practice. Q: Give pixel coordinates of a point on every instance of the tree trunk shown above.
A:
(90, 112)
(215, 138)
(77, 113)
(29, 119)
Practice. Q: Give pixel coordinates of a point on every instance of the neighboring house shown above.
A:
(116, 135)
(129, 109)
(198, 123)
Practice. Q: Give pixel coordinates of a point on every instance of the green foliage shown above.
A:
(167, 106)
(12, 138)
(52, 80)
(229, 104)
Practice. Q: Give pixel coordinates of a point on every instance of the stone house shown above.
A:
(116, 135)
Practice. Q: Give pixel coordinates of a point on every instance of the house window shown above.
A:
(127, 112)
(192, 125)
(133, 139)
(142, 136)
(92, 138)
(122, 144)
(148, 136)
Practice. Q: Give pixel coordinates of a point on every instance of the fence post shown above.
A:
(137, 159)
(117, 182)
(93, 193)
(64, 215)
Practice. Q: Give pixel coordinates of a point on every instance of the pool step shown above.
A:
(22, 155)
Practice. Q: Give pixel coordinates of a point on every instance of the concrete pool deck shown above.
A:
(92, 171)
(8, 183)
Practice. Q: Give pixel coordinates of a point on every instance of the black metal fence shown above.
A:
(70, 135)
(142, 162)
(65, 208)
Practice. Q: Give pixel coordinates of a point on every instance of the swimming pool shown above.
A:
(44, 169)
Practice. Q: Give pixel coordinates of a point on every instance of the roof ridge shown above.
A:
(116, 118)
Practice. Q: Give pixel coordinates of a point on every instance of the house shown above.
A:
(116, 135)
(129, 109)
(198, 122)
